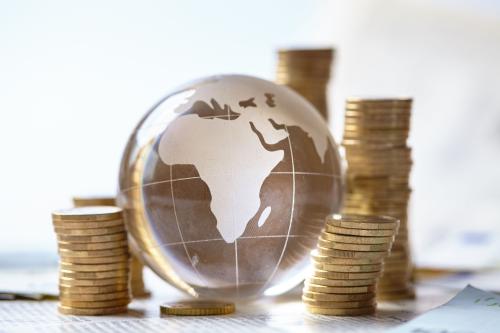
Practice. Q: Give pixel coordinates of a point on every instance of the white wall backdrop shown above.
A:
(76, 76)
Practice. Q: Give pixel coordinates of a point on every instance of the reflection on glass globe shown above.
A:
(225, 184)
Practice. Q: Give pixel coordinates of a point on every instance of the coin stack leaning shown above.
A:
(348, 262)
(379, 164)
(307, 71)
(94, 260)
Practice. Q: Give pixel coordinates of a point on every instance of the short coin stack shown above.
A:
(307, 71)
(348, 262)
(137, 287)
(85, 201)
(379, 164)
(94, 260)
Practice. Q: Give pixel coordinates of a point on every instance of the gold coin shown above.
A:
(71, 282)
(364, 222)
(93, 289)
(67, 310)
(85, 214)
(356, 240)
(90, 232)
(92, 246)
(380, 101)
(346, 276)
(344, 261)
(392, 269)
(197, 308)
(338, 290)
(397, 295)
(341, 312)
(97, 260)
(88, 254)
(393, 286)
(93, 275)
(87, 225)
(93, 201)
(94, 304)
(349, 268)
(94, 297)
(353, 247)
(341, 283)
(338, 305)
(93, 239)
(94, 268)
(337, 297)
(397, 261)
(351, 254)
(360, 232)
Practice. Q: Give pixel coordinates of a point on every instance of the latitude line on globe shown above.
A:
(291, 214)
(319, 174)
(221, 239)
(179, 228)
(332, 142)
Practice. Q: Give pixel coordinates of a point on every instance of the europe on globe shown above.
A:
(225, 184)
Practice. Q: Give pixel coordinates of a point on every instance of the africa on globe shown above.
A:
(225, 184)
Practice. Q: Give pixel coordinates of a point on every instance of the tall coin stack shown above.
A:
(307, 71)
(379, 164)
(348, 262)
(94, 260)
(137, 286)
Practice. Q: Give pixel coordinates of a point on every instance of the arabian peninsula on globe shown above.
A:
(225, 184)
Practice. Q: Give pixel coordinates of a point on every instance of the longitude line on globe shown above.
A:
(291, 214)
(179, 228)
(236, 267)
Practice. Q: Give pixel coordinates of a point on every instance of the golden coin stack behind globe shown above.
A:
(137, 286)
(94, 260)
(136, 279)
(307, 71)
(379, 164)
(347, 264)
(85, 201)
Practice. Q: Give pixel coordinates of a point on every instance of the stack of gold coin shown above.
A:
(85, 201)
(379, 164)
(137, 286)
(136, 279)
(307, 71)
(94, 260)
(348, 262)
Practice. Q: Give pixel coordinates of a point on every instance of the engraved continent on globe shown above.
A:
(225, 184)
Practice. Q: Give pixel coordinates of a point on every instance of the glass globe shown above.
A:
(225, 184)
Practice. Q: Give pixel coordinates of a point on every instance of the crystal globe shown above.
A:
(225, 184)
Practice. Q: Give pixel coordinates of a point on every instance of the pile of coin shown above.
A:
(85, 201)
(307, 71)
(379, 164)
(348, 262)
(94, 260)
(137, 286)
(136, 279)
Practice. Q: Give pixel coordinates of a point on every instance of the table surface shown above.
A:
(282, 314)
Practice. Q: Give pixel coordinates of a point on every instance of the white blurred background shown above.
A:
(75, 78)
